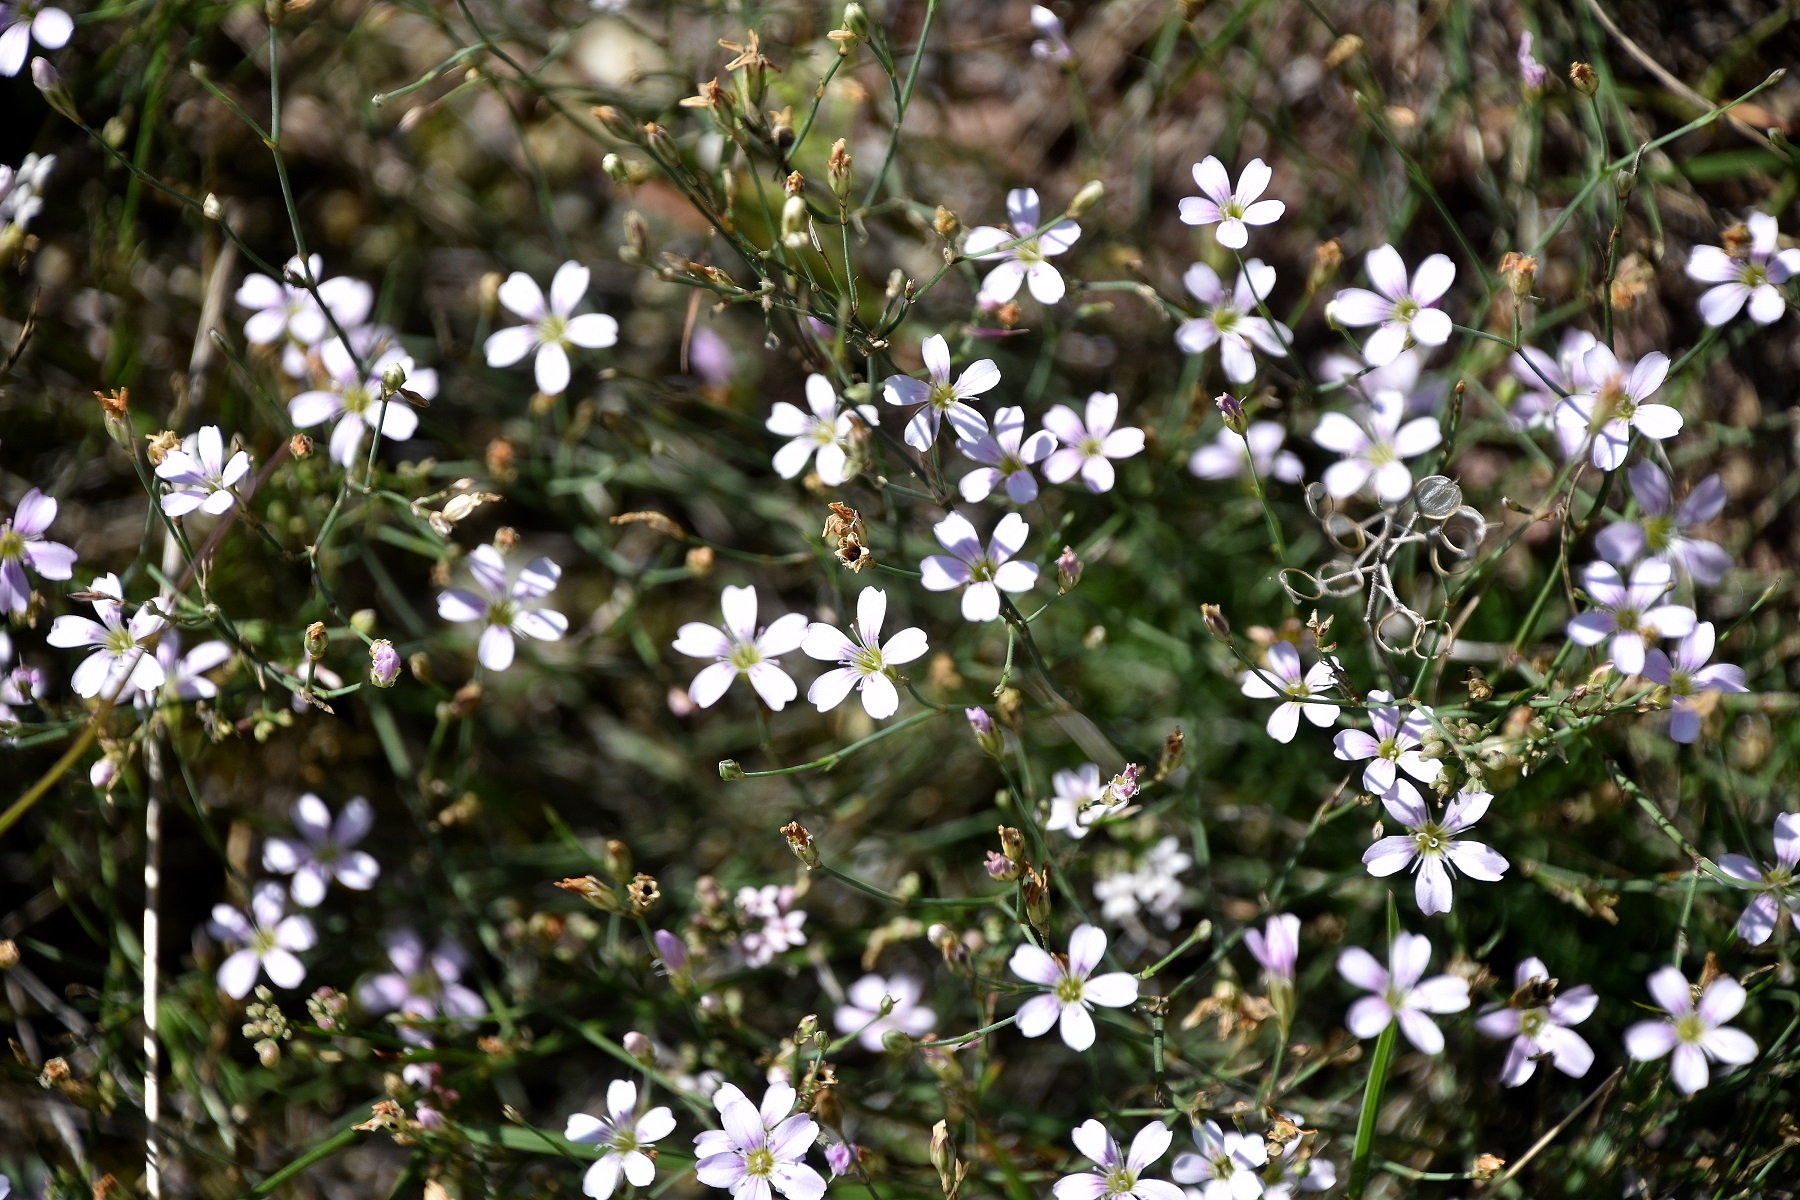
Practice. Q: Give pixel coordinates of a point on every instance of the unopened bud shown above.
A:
(384, 663)
(1624, 183)
(801, 843)
(1037, 899)
(594, 892)
(838, 169)
(614, 122)
(636, 249)
(1068, 571)
(211, 208)
(793, 223)
(944, 222)
(393, 378)
(1520, 273)
(639, 1047)
(316, 641)
(672, 950)
(1583, 77)
(614, 166)
(1173, 751)
(856, 21)
(1232, 409)
(986, 736)
(1327, 258)
(300, 446)
(1087, 197)
(50, 84)
(1000, 868)
(1012, 844)
(1216, 624)
(729, 770)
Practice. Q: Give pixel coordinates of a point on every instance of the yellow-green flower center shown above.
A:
(12, 546)
(760, 1162)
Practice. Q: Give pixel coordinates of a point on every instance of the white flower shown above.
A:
(781, 923)
(1152, 885)
(1260, 444)
(1009, 456)
(779, 1099)
(1755, 278)
(863, 1016)
(1400, 994)
(1538, 1024)
(752, 1158)
(1228, 1167)
(281, 311)
(1547, 380)
(184, 676)
(1393, 747)
(268, 942)
(1069, 992)
(1080, 801)
(1231, 210)
(200, 476)
(1402, 311)
(824, 432)
(1023, 263)
(625, 1134)
(1693, 1032)
(1121, 1174)
(1776, 884)
(423, 986)
(1614, 402)
(1315, 1174)
(1432, 846)
(1052, 45)
(1278, 950)
(1228, 321)
(1663, 529)
(942, 399)
(1628, 613)
(30, 21)
(1282, 678)
(505, 612)
(982, 575)
(739, 648)
(355, 399)
(1089, 446)
(22, 541)
(22, 191)
(1688, 677)
(863, 660)
(326, 850)
(1375, 449)
(120, 652)
(549, 327)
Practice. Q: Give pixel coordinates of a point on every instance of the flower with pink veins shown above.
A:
(550, 328)
(1391, 748)
(505, 612)
(1616, 401)
(982, 575)
(1754, 278)
(1277, 949)
(1399, 993)
(740, 648)
(1776, 884)
(628, 1137)
(21, 542)
(28, 21)
(1662, 529)
(1628, 614)
(1233, 210)
(1281, 678)
(864, 661)
(1688, 678)
(268, 941)
(752, 1159)
(824, 432)
(1537, 1020)
(1693, 1032)
(184, 675)
(200, 476)
(1259, 446)
(1120, 1173)
(326, 850)
(1228, 1166)
(1432, 846)
(1375, 449)
(120, 656)
(1229, 321)
(358, 402)
(1026, 262)
(1069, 991)
(1008, 456)
(1089, 446)
(1401, 311)
(940, 398)
(1531, 72)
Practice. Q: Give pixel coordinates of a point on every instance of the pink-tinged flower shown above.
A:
(200, 476)
(1662, 529)
(754, 1159)
(326, 850)
(1233, 210)
(1391, 748)
(1024, 263)
(671, 951)
(864, 661)
(355, 399)
(1070, 993)
(1531, 71)
(1228, 455)
(1009, 456)
(739, 648)
(21, 542)
(184, 675)
(28, 21)
(824, 432)
(1375, 449)
(778, 1102)
(1693, 1032)
(1290, 1172)
(1228, 321)
(1080, 801)
(281, 311)
(423, 986)
(982, 575)
(1754, 278)
(268, 941)
(384, 663)
(841, 1157)
(1052, 44)
(940, 398)
(864, 1017)
(1688, 678)
(1432, 846)
(1400, 993)
(550, 327)
(1120, 1173)
(1538, 1023)
(1546, 380)
(1402, 311)
(1628, 614)
(1228, 1166)
(1776, 884)
(1278, 950)
(120, 653)
(1615, 402)
(1281, 678)
(780, 926)
(626, 1134)
(1090, 446)
(505, 612)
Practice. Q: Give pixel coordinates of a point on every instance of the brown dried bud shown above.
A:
(500, 456)
(466, 701)
(1583, 77)
(1328, 257)
(1479, 687)
(636, 249)
(300, 446)
(160, 445)
(660, 522)
(700, 560)
(1736, 240)
(1520, 271)
(1008, 314)
(488, 293)
(594, 892)
(1173, 751)
(801, 843)
(505, 538)
(1216, 624)
(838, 168)
(316, 641)
(1012, 844)
(1342, 51)
(643, 891)
(795, 184)
(944, 222)
(1487, 1166)
(55, 1072)
(9, 954)
(1036, 887)
(114, 402)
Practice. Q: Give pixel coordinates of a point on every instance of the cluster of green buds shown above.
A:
(267, 1027)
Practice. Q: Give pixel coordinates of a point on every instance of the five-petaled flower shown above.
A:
(21, 542)
(738, 647)
(1664, 530)
(1431, 845)
(1694, 1031)
(28, 21)
(1277, 949)
(1402, 311)
(423, 986)
(1628, 613)
(550, 327)
(1008, 456)
(982, 574)
(285, 313)
(1228, 1165)
(268, 939)
(751, 1158)
(1400, 992)
(1089, 446)
(1121, 1173)
(505, 611)
(824, 432)
(1259, 446)
(863, 659)
(1080, 801)
(1069, 990)
(1376, 448)
(1231, 209)
(1689, 679)
(1391, 748)
(1777, 884)
(863, 1015)
(1281, 678)
(1754, 277)
(1616, 401)
(325, 850)
(940, 398)
(1537, 1020)
(120, 651)
(1025, 262)
(358, 400)
(200, 476)
(1228, 321)
(627, 1136)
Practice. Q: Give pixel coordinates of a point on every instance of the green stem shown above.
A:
(1360, 1160)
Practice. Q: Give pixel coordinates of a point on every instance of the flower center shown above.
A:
(501, 613)
(12, 545)
(866, 660)
(624, 1141)
(744, 655)
(1659, 532)
(1381, 453)
(1690, 1028)
(1431, 839)
(1681, 683)
(1092, 447)
(1406, 309)
(1068, 990)
(357, 399)
(1299, 691)
(981, 570)
(551, 329)
(120, 641)
(1223, 1167)
(1120, 1180)
(1225, 318)
(1532, 1022)
(760, 1162)
(1628, 618)
(942, 396)
(1029, 253)
(1388, 749)
(1753, 275)
(1010, 464)
(823, 432)
(1234, 209)
(263, 941)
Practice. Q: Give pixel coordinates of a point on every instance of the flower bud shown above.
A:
(639, 1047)
(801, 843)
(1583, 77)
(384, 664)
(986, 736)
(1520, 273)
(1087, 197)
(856, 21)
(1216, 624)
(1012, 844)
(393, 378)
(1000, 868)
(729, 770)
(672, 949)
(211, 207)
(316, 641)
(1233, 411)
(9, 954)
(300, 446)
(838, 168)
(614, 122)
(50, 84)
(1037, 899)
(1068, 571)
(1173, 751)
(793, 223)
(944, 222)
